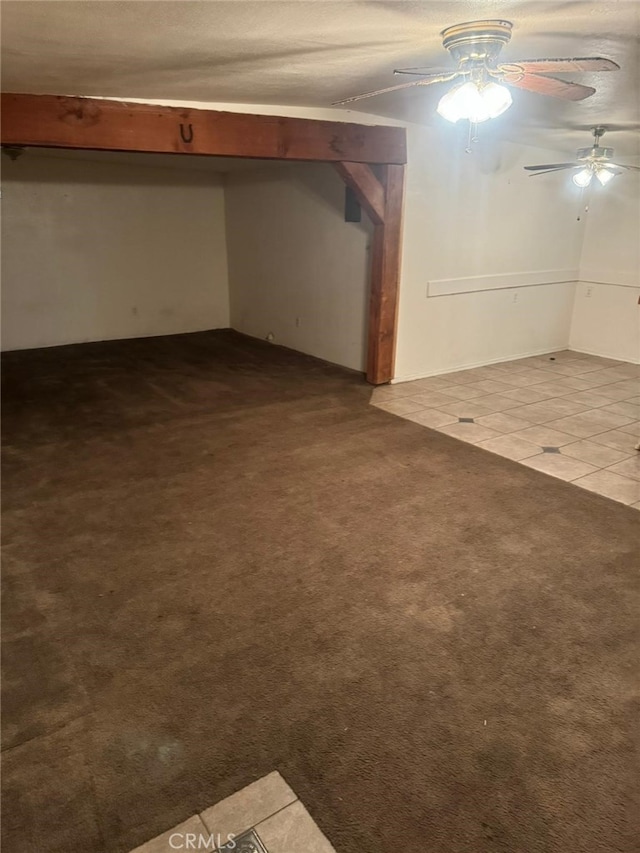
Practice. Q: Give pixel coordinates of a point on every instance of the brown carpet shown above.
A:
(220, 561)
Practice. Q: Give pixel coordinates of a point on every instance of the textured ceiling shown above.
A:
(312, 52)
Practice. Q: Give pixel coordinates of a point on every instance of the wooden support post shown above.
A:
(385, 280)
(383, 202)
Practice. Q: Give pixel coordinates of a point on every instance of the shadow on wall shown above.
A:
(54, 165)
(298, 273)
(98, 250)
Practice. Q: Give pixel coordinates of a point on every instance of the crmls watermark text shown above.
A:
(194, 841)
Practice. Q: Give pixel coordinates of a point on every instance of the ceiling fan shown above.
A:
(475, 46)
(590, 161)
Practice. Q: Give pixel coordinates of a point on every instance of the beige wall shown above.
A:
(490, 255)
(490, 261)
(606, 314)
(97, 250)
(297, 270)
(510, 244)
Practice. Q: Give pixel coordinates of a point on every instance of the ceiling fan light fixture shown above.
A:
(475, 102)
(456, 103)
(592, 161)
(604, 175)
(497, 99)
(583, 178)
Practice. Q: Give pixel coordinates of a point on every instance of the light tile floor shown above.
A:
(574, 416)
(264, 817)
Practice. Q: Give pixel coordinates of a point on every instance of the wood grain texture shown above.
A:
(551, 86)
(366, 186)
(58, 121)
(385, 280)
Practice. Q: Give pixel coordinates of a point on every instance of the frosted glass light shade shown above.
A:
(497, 99)
(604, 175)
(473, 102)
(458, 101)
(583, 178)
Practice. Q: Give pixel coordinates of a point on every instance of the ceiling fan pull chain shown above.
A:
(586, 207)
(472, 137)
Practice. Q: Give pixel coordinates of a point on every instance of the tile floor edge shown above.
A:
(588, 404)
(399, 380)
(289, 798)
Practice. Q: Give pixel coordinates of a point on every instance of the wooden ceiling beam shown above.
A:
(64, 122)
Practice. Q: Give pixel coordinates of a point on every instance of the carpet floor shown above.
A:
(220, 560)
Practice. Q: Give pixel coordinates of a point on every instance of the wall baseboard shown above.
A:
(602, 354)
(483, 363)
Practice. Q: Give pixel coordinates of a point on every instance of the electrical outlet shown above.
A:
(297, 322)
(588, 291)
(516, 296)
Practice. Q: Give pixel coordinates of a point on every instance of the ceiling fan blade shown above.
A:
(620, 166)
(548, 171)
(551, 166)
(427, 82)
(427, 72)
(566, 66)
(551, 86)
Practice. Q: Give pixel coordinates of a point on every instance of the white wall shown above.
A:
(97, 250)
(478, 224)
(476, 221)
(503, 247)
(297, 270)
(606, 314)
(477, 215)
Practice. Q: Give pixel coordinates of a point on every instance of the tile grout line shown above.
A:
(625, 481)
(249, 828)
(253, 827)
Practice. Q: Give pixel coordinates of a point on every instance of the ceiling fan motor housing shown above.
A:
(595, 153)
(477, 40)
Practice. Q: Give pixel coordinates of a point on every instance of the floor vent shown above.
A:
(248, 842)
